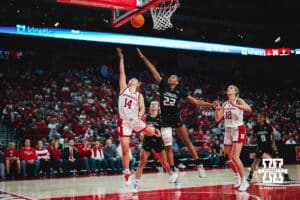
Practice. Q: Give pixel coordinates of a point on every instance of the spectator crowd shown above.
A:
(70, 118)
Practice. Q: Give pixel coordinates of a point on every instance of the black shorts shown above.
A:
(263, 149)
(154, 143)
(171, 121)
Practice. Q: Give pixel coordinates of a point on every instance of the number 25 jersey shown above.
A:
(169, 99)
(128, 104)
(233, 116)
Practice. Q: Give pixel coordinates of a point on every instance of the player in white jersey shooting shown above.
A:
(235, 133)
(131, 108)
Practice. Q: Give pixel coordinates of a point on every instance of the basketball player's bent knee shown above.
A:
(164, 163)
(168, 148)
(236, 158)
(187, 142)
(125, 153)
(142, 163)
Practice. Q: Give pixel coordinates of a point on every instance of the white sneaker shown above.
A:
(177, 184)
(127, 178)
(237, 182)
(201, 171)
(173, 177)
(135, 188)
(244, 186)
(182, 166)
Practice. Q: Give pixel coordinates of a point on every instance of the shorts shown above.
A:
(235, 135)
(167, 136)
(263, 149)
(154, 143)
(174, 122)
(127, 126)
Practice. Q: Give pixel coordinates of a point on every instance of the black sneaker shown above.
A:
(286, 177)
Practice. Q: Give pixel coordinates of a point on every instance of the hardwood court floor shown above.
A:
(216, 185)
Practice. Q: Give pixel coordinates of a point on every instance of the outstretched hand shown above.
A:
(216, 104)
(141, 55)
(119, 51)
(232, 103)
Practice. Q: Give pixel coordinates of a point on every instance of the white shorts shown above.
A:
(167, 136)
(127, 126)
(235, 135)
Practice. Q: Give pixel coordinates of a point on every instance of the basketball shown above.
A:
(137, 21)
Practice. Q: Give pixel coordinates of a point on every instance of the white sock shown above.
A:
(127, 171)
(136, 181)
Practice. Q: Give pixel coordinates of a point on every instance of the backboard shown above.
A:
(122, 10)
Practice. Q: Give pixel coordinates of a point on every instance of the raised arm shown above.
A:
(197, 102)
(141, 106)
(241, 104)
(219, 112)
(150, 66)
(274, 147)
(122, 75)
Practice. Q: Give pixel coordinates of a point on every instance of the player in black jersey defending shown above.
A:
(266, 148)
(153, 143)
(170, 95)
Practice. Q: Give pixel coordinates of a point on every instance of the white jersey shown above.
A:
(128, 104)
(233, 116)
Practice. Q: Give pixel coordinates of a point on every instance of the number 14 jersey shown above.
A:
(128, 104)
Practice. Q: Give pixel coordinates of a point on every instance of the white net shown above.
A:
(162, 13)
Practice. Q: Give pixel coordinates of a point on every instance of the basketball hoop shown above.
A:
(162, 13)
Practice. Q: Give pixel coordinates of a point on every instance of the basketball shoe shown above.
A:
(127, 177)
(173, 177)
(201, 171)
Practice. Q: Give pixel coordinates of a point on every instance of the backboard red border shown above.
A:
(128, 8)
(115, 4)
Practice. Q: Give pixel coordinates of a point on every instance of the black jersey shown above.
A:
(153, 142)
(169, 99)
(263, 134)
(156, 121)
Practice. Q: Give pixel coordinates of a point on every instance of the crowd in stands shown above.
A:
(71, 117)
